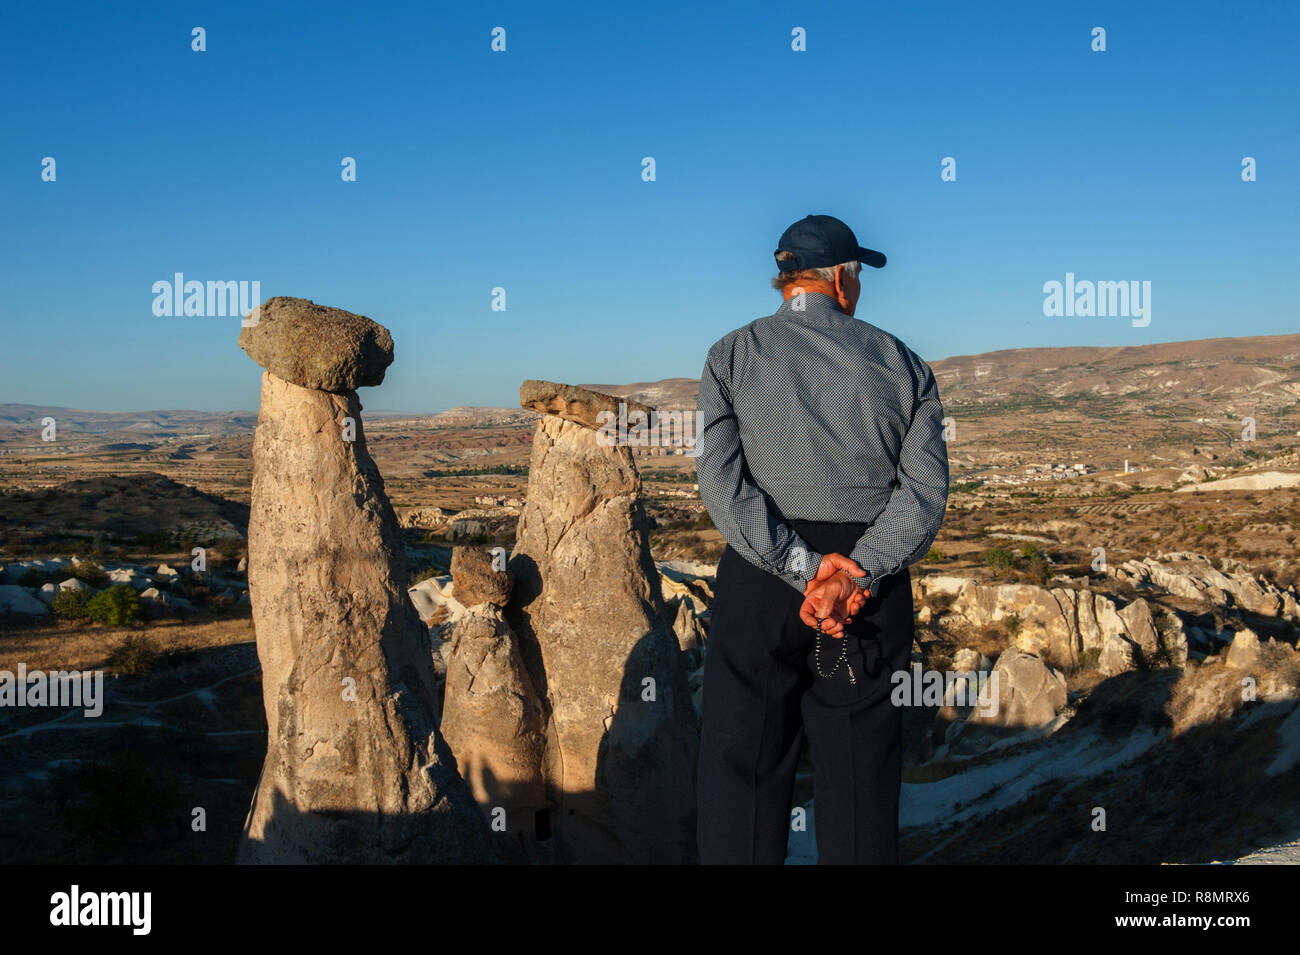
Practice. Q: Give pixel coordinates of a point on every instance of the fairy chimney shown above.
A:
(355, 769)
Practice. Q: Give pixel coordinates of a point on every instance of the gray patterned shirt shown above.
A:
(815, 415)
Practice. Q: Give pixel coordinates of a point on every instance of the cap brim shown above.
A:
(872, 258)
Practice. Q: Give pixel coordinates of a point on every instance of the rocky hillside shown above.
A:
(122, 507)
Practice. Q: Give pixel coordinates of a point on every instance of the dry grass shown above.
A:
(69, 645)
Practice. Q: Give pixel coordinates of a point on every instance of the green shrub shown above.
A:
(414, 577)
(999, 558)
(72, 604)
(115, 607)
(934, 555)
(1089, 658)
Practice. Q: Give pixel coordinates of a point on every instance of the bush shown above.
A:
(135, 656)
(115, 607)
(414, 577)
(999, 558)
(89, 572)
(1282, 660)
(152, 542)
(72, 604)
(702, 521)
(1039, 571)
(1089, 658)
(1012, 623)
(933, 556)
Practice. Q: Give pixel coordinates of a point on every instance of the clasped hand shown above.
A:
(831, 597)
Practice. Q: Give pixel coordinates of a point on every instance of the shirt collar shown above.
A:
(818, 306)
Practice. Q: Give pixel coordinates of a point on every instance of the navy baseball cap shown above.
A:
(822, 241)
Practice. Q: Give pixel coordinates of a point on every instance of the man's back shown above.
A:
(815, 415)
(822, 401)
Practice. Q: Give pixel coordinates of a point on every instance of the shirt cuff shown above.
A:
(798, 579)
(866, 582)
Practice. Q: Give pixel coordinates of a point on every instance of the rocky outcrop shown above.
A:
(1243, 652)
(355, 769)
(495, 722)
(1061, 624)
(1029, 693)
(477, 579)
(622, 734)
(19, 600)
(1194, 576)
(1258, 481)
(690, 635)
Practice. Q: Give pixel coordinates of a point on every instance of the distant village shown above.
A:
(1039, 472)
(661, 451)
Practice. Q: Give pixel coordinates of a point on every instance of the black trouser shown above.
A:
(762, 691)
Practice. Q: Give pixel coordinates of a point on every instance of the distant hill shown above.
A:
(668, 393)
(125, 506)
(479, 415)
(1217, 374)
(146, 424)
(1160, 396)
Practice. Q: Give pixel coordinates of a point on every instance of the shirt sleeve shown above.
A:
(739, 508)
(907, 526)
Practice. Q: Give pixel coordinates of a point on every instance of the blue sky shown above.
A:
(522, 170)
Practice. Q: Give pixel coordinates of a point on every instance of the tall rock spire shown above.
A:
(623, 735)
(355, 769)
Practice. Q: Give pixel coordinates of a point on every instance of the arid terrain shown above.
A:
(1165, 476)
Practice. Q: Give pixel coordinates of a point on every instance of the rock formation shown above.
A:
(1030, 694)
(1194, 576)
(1061, 624)
(477, 580)
(495, 723)
(598, 642)
(690, 635)
(355, 769)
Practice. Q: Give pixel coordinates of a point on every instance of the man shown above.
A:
(821, 460)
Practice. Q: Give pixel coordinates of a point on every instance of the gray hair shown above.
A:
(825, 274)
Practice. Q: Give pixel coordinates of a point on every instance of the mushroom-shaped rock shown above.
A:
(355, 770)
(572, 403)
(317, 347)
(593, 628)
